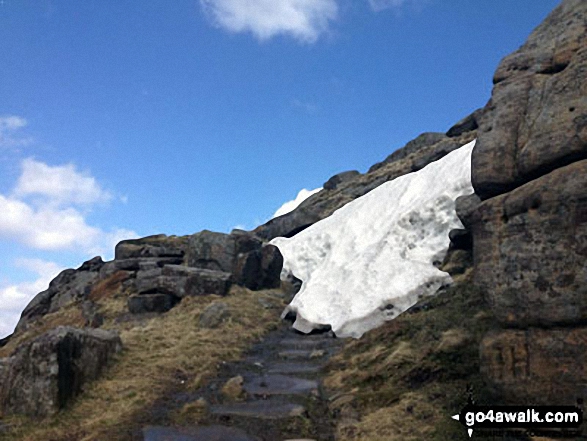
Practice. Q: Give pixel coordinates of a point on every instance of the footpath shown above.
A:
(273, 394)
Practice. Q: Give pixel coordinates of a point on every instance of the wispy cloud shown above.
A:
(304, 20)
(307, 107)
(293, 204)
(380, 5)
(10, 125)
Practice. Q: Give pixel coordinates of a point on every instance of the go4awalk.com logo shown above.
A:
(565, 420)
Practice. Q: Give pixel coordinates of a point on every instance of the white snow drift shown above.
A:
(373, 258)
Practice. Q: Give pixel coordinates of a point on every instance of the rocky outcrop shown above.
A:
(531, 247)
(44, 374)
(252, 264)
(68, 286)
(151, 246)
(345, 187)
(467, 124)
(339, 178)
(536, 120)
(159, 291)
(530, 225)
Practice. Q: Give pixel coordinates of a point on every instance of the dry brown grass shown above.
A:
(403, 380)
(70, 315)
(109, 286)
(161, 353)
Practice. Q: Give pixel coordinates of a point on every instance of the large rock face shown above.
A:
(536, 120)
(537, 365)
(530, 247)
(530, 231)
(44, 374)
(344, 188)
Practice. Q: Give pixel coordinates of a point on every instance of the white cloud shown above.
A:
(53, 221)
(13, 298)
(292, 205)
(9, 124)
(304, 20)
(44, 228)
(59, 184)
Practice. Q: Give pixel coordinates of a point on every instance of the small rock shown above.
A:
(317, 353)
(265, 303)
(214, 315)
(233, 388)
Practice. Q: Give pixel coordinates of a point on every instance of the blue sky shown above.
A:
(134, 118)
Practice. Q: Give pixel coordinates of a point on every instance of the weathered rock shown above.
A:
(536, 120)
(154, 302)
(233, 388)
(460, 239)
(541, 366)
(93, 265)
(530, 233)
(465, 206)
(259, 269)
(219, 251)
(275, 384)
(457, 261)
(151, 246)
(467, 124)
(214, 315)
(264, 409)
(199, 281)
(339, 178)
(4, 341)
(253, 265)
(420, 142)
(91, 314)
(181, 281)
(137, 264)
(530, 248)
(70, 285)
(4, 365)
(43, 375)
(271, 265)
(208, 433)
(414, 156)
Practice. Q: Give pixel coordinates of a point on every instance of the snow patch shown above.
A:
(373, 258)
(293, 204)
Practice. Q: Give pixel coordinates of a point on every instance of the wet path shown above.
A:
(273, 394)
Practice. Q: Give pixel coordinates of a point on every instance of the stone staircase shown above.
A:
(273, 394)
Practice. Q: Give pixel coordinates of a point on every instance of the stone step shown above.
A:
(301, 343)
(301, 354)
(293, 367)
(275, 384)
(264, 410)
(207, 433)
